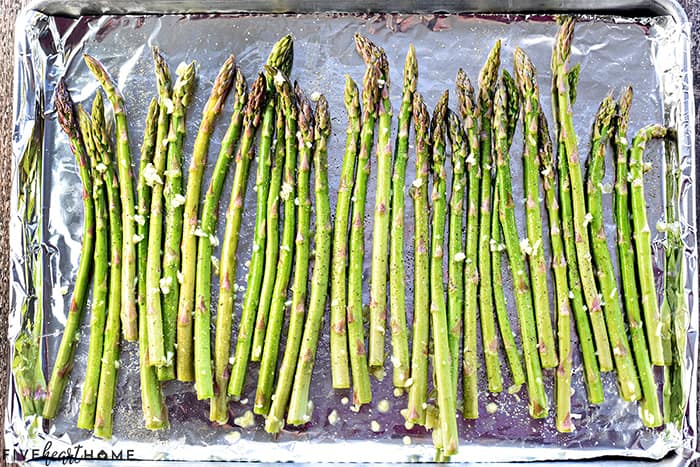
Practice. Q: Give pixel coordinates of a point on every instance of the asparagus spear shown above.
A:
(676, 400)
(284, 263)
(143, 193)
(651, 412)
(418, 390)
(523, 297)
(338, 333)
(227, 276)
(298, 405)
(488, 77)
(446, 393)
(397, 275)
(210, 213)
(212, 109)
(126, 192)
(98, 312)
(455, 262)
(280, 398)
(562, 379)
(66, 351)
(362, 393)
(154, 312)
(110, 349)
(565, 126)
(642, 241)
(174, 200)
(626, 374)
(280, 56)
(469, 111)
(380, 233)
(591, 371)
(526, 79)
(272, 237)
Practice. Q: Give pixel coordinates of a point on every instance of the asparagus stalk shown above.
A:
(397, 275)
(224, 315)
(284, 263)
(143, 209)
(455, 262)
(126, 192)
(380, 233)
(594, 387)
(469, 111)
(280, 56)
(362, 392)
(418, 390)
(210, 209)
(523, 297)
(488, 78)
(174, 200)
(298, 405)
(526, 79)
(626, 374)
(562, 380)
(110, 349)
(272, 237)
(565, 126)
(278, 402)
(642, 241)
(98, 312)
(66, 350)
(446, 393)
(188, 248)
(338, 334)
(154, 311)
(651, 412)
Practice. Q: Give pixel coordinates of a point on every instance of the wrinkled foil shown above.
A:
(650, 53)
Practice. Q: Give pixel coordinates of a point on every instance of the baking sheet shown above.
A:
(613, 52)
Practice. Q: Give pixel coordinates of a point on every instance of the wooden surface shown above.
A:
(9, 8)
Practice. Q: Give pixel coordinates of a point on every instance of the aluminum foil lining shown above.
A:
(651, 54)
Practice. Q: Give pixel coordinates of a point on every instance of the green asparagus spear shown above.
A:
(110, 350)
(338, 337)
(418, 390)
(567, 135)
(280, 56)
(362, 392)
(227, 276)
(651, 412)
(298, 405)
(98, 312)
(143, 209)
(469, 111)
(642, 241)
(126, 192)
(189, 258)
(523, 297)
(397, 275)
(174, 200)
(63, 365)
(154, 312)
(526, 79)
(380, 232)
(284, 263)
(210, 208)
(446, 394)
(488, 78)
(562, 379)
(455, 262)
(626, 374)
